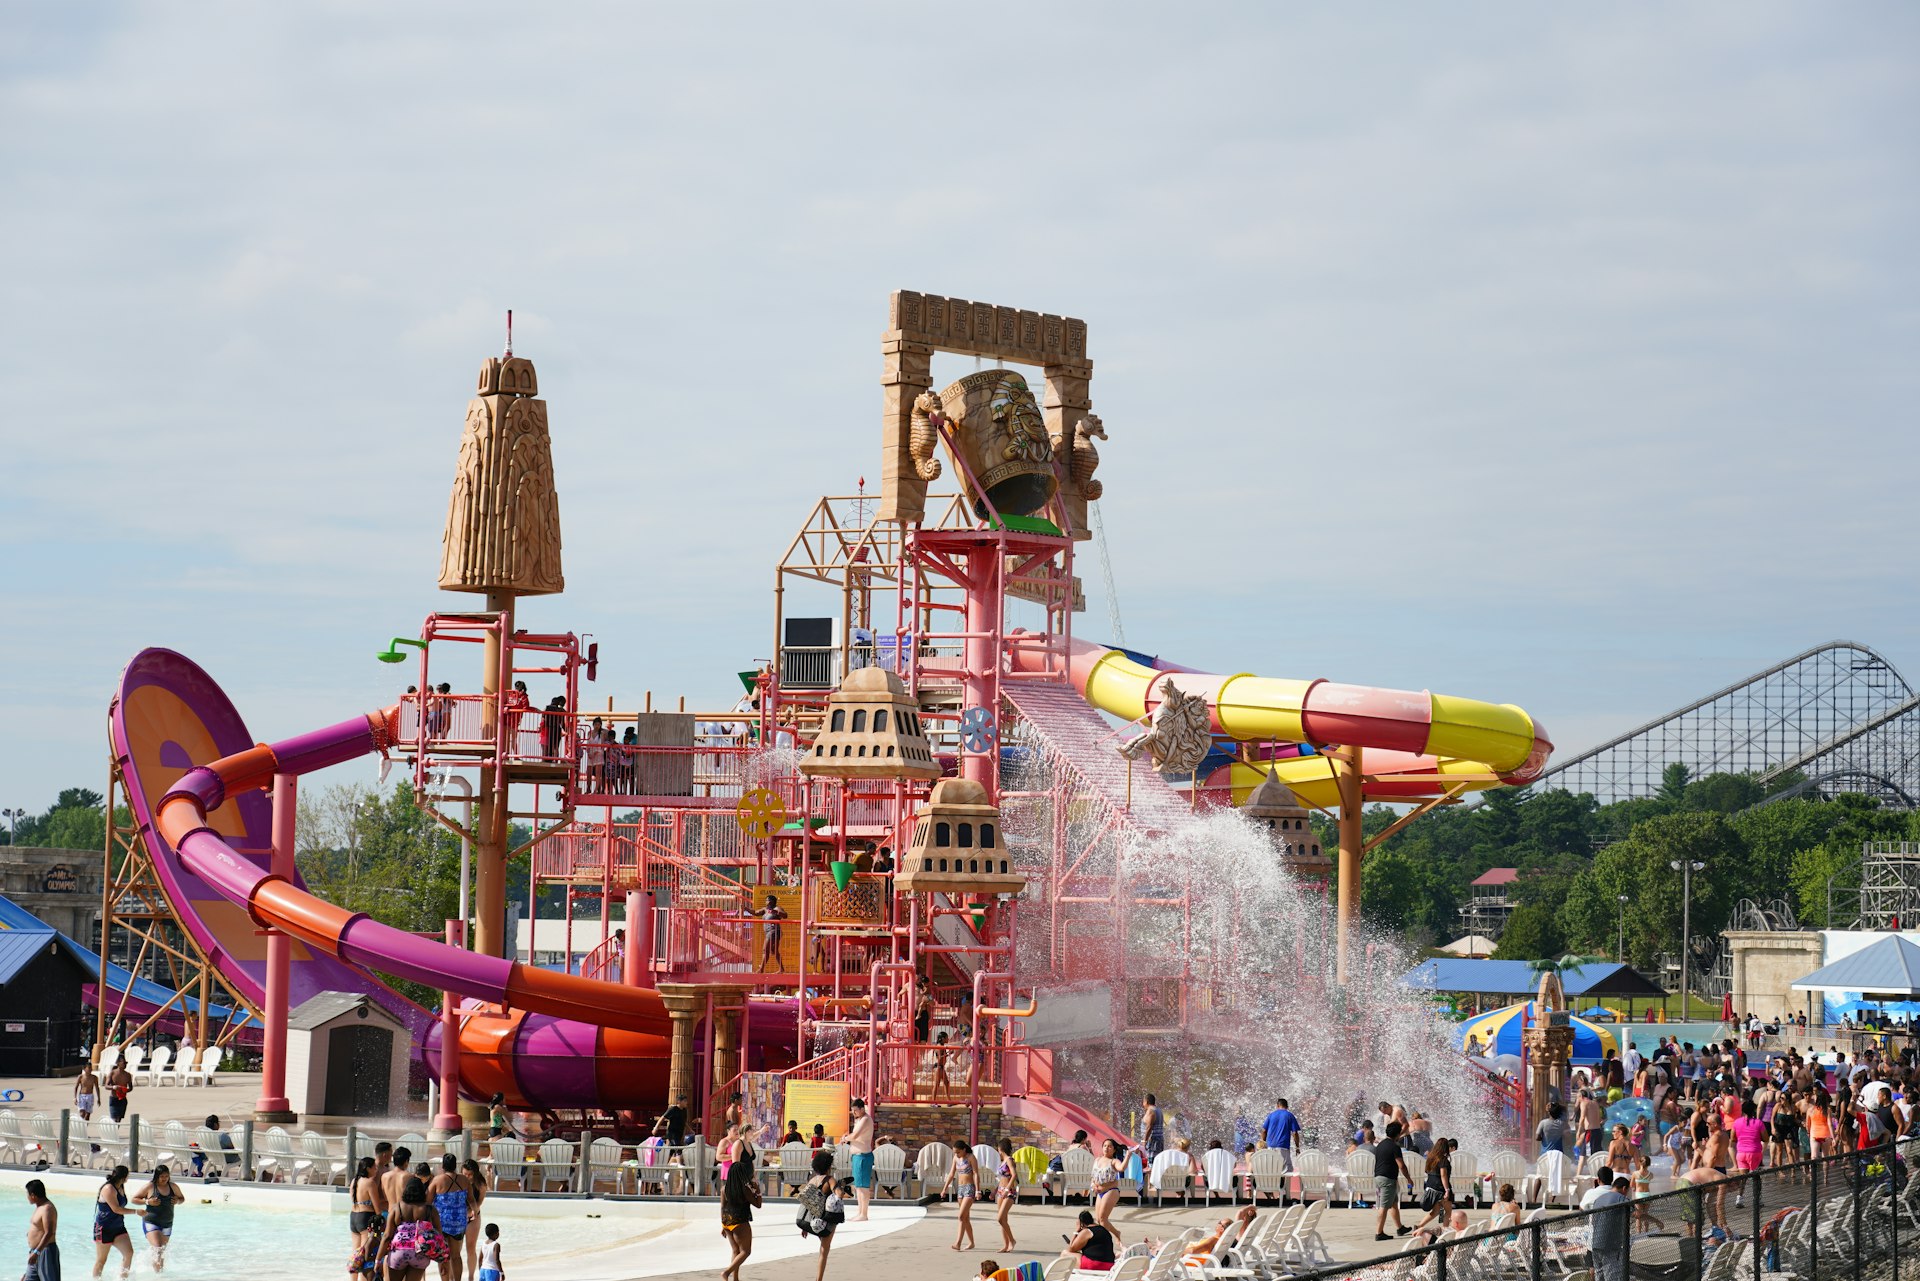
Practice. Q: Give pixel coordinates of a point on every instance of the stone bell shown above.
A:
(872, 730)
(957, 846)
(1003, 436)
(1273, 805)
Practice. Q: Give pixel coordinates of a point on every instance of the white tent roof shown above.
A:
(1891, 966)
(1471, 945)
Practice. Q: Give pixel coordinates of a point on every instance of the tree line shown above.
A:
(1577, 858)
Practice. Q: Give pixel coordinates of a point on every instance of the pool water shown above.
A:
(247, 1242)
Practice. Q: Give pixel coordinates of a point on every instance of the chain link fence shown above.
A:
(1856, 1215)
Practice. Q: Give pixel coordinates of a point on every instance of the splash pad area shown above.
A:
(1104, 880)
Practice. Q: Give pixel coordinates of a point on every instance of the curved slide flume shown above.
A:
(276, 903)
(1418, 744)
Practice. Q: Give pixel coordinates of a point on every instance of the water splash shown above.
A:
(1212, 923)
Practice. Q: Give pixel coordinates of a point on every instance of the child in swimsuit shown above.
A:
(490, 1266)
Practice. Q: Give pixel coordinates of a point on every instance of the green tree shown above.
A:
(1673, 786)
(1640, 867)
(1532, 930)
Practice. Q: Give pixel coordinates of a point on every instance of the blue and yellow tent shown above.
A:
(1499, 1033)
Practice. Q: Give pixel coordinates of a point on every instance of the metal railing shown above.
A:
(1853, 1215)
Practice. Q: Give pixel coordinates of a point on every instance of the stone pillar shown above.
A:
(727, 1002)
(685, 1003)
(1549, 1055)
(1068, 398)
(908, 371)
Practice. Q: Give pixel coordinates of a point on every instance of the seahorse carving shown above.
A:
(1181, 733)
(1080, 455)
(929, 415)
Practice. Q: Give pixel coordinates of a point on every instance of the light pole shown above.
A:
(1686, 868)
(1620, 943)
(13, 818)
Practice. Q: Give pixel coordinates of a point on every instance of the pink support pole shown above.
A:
(273, 1104)
(636, 969)
(448, 1122)
(983, 660)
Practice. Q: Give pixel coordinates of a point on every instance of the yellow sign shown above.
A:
(821, 1103)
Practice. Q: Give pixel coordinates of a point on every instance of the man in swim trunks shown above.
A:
(43, 1252)
(119, 1086)
(447, 1192)
(85, 1091)
(859, 1141)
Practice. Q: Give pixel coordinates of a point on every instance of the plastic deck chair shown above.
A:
(176, 1143)
(604, 1162)
(556, 1164)
(890, 1169)
(1030, 1166)
(1076, 1173)
(507, 1159)
(1466, 1177)
(133, 1056)
(11, 1139)
(209, 1064)
(108, 1057)
(1171, 1171)
(794, 1169)
(931, 1166)
(156, 1070)
(1218, 1167)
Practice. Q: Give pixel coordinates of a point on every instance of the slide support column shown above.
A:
(273, 1105)
(448, 1123)
(1352, 810)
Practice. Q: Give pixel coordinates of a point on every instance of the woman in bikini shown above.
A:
(738, 1198)
(1006, 1191)
(939, 1054)
(964, 1180)
(110, 1211)
(363, 1219)
(1104, 1185)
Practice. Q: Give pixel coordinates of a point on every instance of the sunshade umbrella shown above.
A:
(1499, 1033)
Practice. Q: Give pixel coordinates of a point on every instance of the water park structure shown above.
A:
(916, 817)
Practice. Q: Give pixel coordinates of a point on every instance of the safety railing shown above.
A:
(923, 1072)
(1849, 1216)
(466, 722)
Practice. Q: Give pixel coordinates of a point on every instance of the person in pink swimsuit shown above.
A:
(1749, 1137)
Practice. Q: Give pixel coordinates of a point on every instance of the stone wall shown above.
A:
(1767, 963)
(61, 887)
(912, 1127)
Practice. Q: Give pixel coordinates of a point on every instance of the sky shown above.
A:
(1554, 355)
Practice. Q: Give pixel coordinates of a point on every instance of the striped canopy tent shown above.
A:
(1499, 1033)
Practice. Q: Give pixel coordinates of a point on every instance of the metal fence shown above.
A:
(1856, 1215)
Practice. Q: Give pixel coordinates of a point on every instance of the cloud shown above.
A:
(1554, 357)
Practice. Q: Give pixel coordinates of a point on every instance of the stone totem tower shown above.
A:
(503, 539)
(503, 523)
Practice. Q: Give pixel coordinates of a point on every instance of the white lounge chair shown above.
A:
(1076, 1173)
(202, 1073)
(556, 1164)
(604, 1162)
(1217, 1165)
(931, 1166)
(507, 1159)
(890, 1168)
(1171, 1171)
(173, 1071)
(320, 1159)
(133, 1057)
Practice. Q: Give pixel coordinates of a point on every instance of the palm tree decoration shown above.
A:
(1559, 965)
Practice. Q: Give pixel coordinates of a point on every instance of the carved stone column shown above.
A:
(727, 1003)
(685, 1003)
(908, 371)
